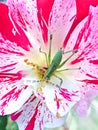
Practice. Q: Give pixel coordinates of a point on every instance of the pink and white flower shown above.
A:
(36, 104)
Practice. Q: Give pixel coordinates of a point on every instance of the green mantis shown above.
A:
(53, 65)
(56, 63)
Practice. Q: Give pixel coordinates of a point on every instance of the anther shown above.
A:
(51, 36)
(75, 51)
(29, 63)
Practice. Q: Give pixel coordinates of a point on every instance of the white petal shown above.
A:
(61, 100)
(34, 115)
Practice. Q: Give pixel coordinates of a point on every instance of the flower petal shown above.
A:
(44, 7)
(25, 14)
(54, 14)
(60, 21)
(85, 40)
(13, 45)
(12, 90)
(34, 115)
(83, 9)
(10, 30)
(61, 100)
(82, 12)
(12, 96)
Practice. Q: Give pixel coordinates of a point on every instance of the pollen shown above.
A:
(40, 71)
(58, 115)
(39, 90)
(57, 99)
(29, 63)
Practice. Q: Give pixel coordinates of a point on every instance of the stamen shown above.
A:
(29, 63)
(44, 21)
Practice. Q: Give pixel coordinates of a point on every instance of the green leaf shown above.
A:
(3, 122)
(11, 125)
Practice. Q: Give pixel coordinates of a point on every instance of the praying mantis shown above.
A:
(56, 63)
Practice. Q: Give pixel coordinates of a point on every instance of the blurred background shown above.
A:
(73, 122)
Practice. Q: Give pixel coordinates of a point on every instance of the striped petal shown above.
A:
(12, 96)
(27, 19)
(34, 115)
(58, 21)
(11, 31)
(12, 48)
(15, 48)
(60, 99)
(85, 39)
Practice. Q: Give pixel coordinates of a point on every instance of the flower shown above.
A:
(31, 35)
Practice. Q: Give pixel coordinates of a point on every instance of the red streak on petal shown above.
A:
(16, 115)
(21, 20)
(82, 12)
(5, 51)
(94, 62)
(82, 32)
(57, 101)
(7, 27)
(10, 65)
(87, 81)
(77, 60)
(65, 94)
(75, 23)
(11, 76)
(30, 100)
(33, 99)
(40, 124)
(83, 7)
(45, 7)
(91, 76)
(7, 96)
(31, 123)
(11, 94)
(16, 94)
(78, 42)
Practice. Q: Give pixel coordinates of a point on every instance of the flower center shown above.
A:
(52, 69)
(40, 71)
